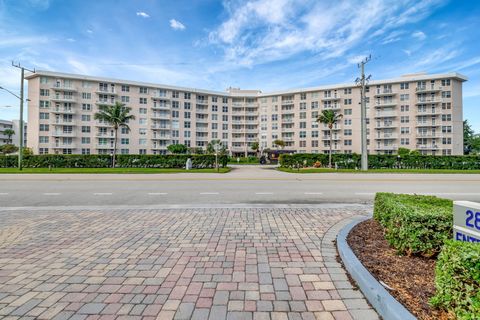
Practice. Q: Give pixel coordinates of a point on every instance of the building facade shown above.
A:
(15, 138)
(419, 112)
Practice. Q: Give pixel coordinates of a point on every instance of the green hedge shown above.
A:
(104, 161)
(457, 279)
(352, 161)
(414, 224)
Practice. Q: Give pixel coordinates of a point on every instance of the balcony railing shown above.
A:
(427, 146)
(62, 87)
(428, 89)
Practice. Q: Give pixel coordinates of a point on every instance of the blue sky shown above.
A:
(264, 44)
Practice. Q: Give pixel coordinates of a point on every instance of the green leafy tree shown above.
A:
(403, 152)
(8, 149)
(27, 151)
(255, 146)
(471, 141)
(330, 118)
(117, 116)
(279, 143)
(177, 148)
(211, 147)
(9, 133)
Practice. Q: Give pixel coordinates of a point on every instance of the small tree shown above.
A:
(8, 149)
(117, 116)
(255, 146)
(9, 133)
(27, 151)
(403, 152)
(279, 143)
(177, 148)
(330, 118)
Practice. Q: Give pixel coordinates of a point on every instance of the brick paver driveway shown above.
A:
(218, 263)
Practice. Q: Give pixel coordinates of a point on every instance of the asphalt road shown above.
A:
(245, 185)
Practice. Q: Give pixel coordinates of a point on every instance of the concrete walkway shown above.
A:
(210, 263)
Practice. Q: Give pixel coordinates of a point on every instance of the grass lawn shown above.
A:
(109, 170)
(326, 170)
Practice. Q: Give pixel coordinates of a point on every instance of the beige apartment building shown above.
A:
(417, 111)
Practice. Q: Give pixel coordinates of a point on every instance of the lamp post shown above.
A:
(20, 149)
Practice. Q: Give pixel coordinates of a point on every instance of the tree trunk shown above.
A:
(114, 147)
(330, 153)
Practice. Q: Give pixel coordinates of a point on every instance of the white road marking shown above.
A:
(207, 193)
(102, 194)
(313, 193)
(157, 193)
(365, 193)
(52, 194)
(450, 193)
(3, 193)
(263, 192)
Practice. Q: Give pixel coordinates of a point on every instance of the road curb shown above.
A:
(384, 303)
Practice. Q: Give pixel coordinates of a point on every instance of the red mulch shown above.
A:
(411, 277)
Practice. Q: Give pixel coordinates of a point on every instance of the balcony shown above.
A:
(255, 122)
(427, 147)
(332, 107)
(160, 116)
(62, 111)
(161, 106)
(238, 139)
(160, 127)
(104, 135)
(428, 112)
(157, 96)
(62, 134)
(288, 120)
(204, 101)
(202, 129)
(427, 124)
(428, 135)
(334, 137)
(386, 136)
(201, 138)
(387, 92)
(106, 91)
(63, 98)
(385, 125)
(107, 102)
(63, 122)
(284, 102)
(159, 147)
(385, 103)
(386, 147)
(61, 87)
(385, 114)
(330, 98)
(433, 100)
(251, 113)
(423, 89)
(64, 146)
(104, 146)
(161, 137)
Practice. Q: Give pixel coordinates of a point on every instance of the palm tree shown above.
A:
(9, 133)
(117, 116)
(330, 118)
(279, 143)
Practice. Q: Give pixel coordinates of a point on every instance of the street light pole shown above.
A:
(22, 80)
(362, 82)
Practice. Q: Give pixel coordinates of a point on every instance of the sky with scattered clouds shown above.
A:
(261, 44)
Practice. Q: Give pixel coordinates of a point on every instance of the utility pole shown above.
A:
(362, 82)
(20, 150)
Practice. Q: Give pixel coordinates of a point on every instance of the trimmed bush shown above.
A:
(104, 161)
(457, 279)
(414, 224)
(411, 161)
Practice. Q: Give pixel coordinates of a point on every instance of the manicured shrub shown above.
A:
(457, 279)
(104, 161)
(410, 161)
(414, 224)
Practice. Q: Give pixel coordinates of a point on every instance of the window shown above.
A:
(44, 92)
(347, 112)
(124, 130)
(142, 121)
(85, 151)
(44, 127)
(404, 108)
(347, 132)
(85, 129)
(44, 115)
(125, 141)
(404, 119)
(303, 96)
(347, 101)
(404, 97)
(124, 151)
(348, 122)
(125, 88)
(44, 104)
(143, 90)
(446, 106)
(187, 106)
(142, 142)
(187, 95)
(224, 100)
(445, 82)
(43, 150)
(186, 124)
(142, 110)
(43, 80)
(142, 131)
(85, 140)
(446, 140)
(314, 105)
(347, 91)
(143, 101)
(405, 130)
(126, 99)
(404, 85)
(446, 94)
(224, 109)
(225, 117)
(43, 139)
(404, 141)
(175, 114)
(187, 115)
(86, 107)
(446, 117)
(214, 108)
(447, 129)
(347, 142)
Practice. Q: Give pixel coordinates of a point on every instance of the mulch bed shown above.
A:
(412, 278)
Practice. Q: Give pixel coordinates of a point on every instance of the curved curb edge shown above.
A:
(384, 303)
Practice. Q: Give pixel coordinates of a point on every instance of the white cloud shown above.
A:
(89, 31)
(143, 14)
(407, 52)
(14, 41)
(71, 40)
(260, 31)
(419, 35)
(176, 25)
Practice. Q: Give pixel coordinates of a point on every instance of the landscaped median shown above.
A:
(408, 248)
(102, 164)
